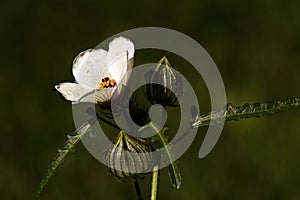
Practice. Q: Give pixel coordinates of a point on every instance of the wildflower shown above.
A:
(98, 73)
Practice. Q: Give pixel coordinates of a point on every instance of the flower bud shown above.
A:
(129, 156)
(164, 84)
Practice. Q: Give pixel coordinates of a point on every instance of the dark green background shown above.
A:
(255, 44)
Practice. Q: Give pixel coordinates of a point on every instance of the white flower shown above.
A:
(98, 73)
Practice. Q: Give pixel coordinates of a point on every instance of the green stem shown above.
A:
(138, 189)
(155, 181)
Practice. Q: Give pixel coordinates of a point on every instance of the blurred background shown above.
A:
(255, 44)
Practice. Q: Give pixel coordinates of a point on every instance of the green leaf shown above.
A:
(68, 147)
(230, 112)
(175, 175)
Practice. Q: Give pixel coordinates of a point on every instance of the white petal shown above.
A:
(120, 57)
(89, 67)
(71, 91)
(127, 73)
(118, 67)
(119, 46)
(95, 96)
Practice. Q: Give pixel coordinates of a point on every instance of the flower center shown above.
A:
(107, 82)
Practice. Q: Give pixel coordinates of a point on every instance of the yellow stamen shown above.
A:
(107, 82)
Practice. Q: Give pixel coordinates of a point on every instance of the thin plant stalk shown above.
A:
(138, 189)
(154, 184)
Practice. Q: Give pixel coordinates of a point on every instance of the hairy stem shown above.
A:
(155, 181)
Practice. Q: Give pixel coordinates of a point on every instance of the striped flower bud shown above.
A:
(165, 84)
(128, 156)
